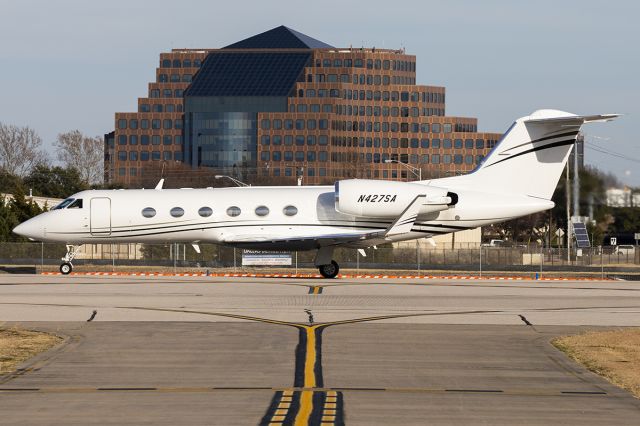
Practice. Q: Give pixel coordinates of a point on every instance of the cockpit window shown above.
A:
(64, 204)
(77, 204)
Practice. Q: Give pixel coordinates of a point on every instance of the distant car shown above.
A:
(494, 243)
(625, 249)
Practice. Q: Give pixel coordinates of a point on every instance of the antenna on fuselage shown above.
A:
(160, 183)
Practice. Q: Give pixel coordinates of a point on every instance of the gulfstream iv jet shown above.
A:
(516, 178)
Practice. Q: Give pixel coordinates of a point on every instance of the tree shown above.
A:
(84, 153)
(20, 149)
(9, 182)
(8, 220)
(54, 182)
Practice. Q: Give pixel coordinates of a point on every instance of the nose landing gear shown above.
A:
(67, 267)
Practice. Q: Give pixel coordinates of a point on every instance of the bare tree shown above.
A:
(20, 149)
(84, 153)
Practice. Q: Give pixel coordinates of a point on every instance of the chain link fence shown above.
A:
(151, 257)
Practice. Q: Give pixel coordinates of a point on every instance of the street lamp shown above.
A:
(415, 170)
(234, 180)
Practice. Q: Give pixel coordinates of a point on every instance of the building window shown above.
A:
(144, 123)
(288, 156)
(311, 156)
(167, 124)
(299, 155)
(148, 212)
(457, 143)
(264, 156)
(447, 127)
(122, 155)
(163, 78)
(166, 155)
(122, 139)
(166, 63)
(205, 211)
(435, 159)
(265, 140)
(155, 140)
(133, 155)
(424, 159)
(155, 155)
(133, 140)
(479, 143)
(186, 63)
(144, 155)
(175, 78)
(177, 212)
(155, 123)
(265, 124)
(446, 143)
(468, 159)
(468, 143)
(277, 140)
(122, 123)
(277, 155)
(233, 211)
(299, 140)
(277, 124)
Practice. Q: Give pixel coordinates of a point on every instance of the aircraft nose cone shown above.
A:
(30, 229)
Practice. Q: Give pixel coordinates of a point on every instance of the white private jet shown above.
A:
(517, 178)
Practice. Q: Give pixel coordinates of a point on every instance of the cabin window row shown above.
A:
(232, 211)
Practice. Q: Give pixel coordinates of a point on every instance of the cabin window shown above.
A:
(262, 210)
(205, 211)
(177, 212)
(77, 204)
(148, 212)
(290, 210)
(233, 211)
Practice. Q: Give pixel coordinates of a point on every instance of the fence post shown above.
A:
(42, 257)
(418, 255)
(234, 259)
(480, 260)
(601, 264)
(296, 263)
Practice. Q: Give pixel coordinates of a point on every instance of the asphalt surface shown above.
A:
(228, 351)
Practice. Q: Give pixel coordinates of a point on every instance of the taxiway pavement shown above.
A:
(168, 350)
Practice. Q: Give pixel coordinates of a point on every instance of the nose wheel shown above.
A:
(330, 270)
(67, 267)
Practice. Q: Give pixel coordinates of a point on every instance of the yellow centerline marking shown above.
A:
(306, 397)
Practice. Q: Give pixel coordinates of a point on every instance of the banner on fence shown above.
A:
(265, 258)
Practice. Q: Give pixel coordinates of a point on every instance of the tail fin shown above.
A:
(531, 155)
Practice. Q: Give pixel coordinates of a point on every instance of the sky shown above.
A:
(71, 64)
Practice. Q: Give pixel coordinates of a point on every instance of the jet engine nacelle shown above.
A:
(388, 199)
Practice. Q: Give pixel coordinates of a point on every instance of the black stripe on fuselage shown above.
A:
(356, 227)
(546, 138)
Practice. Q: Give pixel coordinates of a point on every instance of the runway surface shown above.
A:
(178, 350)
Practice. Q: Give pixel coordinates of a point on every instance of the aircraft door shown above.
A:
(100, 216)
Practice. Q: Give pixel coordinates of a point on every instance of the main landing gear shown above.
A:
(328, 268)
(67, 267)
(329, 271)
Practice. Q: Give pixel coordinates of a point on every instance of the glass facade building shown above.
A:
(280, 105)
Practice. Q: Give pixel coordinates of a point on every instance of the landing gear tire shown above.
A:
(66, 268)
(329, 271)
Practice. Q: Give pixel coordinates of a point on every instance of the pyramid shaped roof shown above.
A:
(279, 38)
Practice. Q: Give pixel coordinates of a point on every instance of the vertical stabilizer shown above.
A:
(530, 157)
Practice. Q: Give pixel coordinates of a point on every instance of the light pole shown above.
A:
(234, 180)
(417, 171)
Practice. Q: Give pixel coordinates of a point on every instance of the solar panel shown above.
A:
(581, 235)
